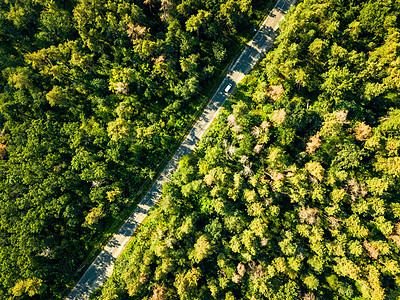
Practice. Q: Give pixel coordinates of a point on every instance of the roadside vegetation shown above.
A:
(294, 192)
(93, 94)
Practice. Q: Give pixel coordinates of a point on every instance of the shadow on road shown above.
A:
(113, 243)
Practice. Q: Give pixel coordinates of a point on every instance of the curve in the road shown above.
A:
(101, 268)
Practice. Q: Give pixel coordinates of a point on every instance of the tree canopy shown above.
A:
(92, 94)
(293, 193)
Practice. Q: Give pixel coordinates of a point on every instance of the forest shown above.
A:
(92, 94)
(294, 191)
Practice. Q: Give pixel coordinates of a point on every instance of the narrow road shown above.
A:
(101, 268)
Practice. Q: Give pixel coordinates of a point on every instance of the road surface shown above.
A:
(101, 268)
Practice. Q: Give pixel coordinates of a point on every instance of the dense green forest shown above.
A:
(294, 192)
(92, 94)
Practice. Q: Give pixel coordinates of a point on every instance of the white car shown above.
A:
(228, 87)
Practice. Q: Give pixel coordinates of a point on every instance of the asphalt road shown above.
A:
(101, 268)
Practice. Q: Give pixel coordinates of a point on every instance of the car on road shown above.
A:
(228, 87)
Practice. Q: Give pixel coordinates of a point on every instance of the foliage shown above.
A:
(92, 94)
(293, 196)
